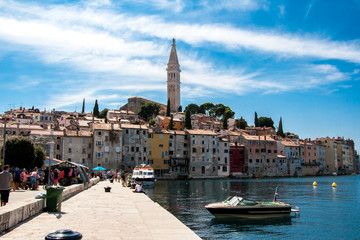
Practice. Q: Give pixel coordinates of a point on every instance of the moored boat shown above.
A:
(144, 174)
(236, 206)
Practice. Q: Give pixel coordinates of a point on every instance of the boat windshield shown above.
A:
(233, 200)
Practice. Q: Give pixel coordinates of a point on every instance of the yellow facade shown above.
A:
(158, 152)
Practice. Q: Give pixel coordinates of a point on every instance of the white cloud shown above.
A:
(233, 5)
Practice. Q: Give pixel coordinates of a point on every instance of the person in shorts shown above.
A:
(5, 179)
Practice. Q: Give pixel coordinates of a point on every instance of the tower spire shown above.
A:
(173, 79)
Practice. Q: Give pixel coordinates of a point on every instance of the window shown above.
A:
(107, 149)
(166, 161)
(137, 149)
(275, 151)
(58, 147)
(269, 151)
(225, 159)
(127, 131)
(144, 149)
(69, 150)
(171, 136)
(132, 149)
(83, 150)
(117, 149)
(89, 155)
(99, 154)
(106, 138)
(194, 150)
(70, 140)
(151, 161)
(106, 160)
(193, 141)
(161, 145)
(202, 142)
(224, 168)
(226, 151)
(150, 153)
(250, 160)
(69, 159)
(89, 146)
(170, 144)
(257, 160)
(98, 143)
(99, 133)
(203, 149)
(150, 144)
(83, 160)
(84, 140)
(257, 150)
(193, 169)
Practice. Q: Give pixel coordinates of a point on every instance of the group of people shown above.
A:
(31, 179)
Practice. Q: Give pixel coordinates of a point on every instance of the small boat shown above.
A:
(236, 206)
(144, 174)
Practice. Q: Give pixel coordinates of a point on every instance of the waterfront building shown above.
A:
(309, 157)
(134, 148)
(107, 146)
(173, 79)
(331, 162)
(260, 155)
(77, 147)
(203, 153)
(345, 154)
(203, 121)
(289, 162)
(158, 151)
(223, 157)
(237, 160)
(178, 154)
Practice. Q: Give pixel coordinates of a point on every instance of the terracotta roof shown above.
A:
(289, 144)
(46, 132)
(78, 133)
(201, 132)
(281, 156)
(134, 126)
(105, 126)
(261, 138)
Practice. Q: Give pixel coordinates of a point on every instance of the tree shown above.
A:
(171, 123)
(40, 156)
(103, 113)
(242, 124)
(280, 131)
(168, 108)
(19, 152)
(193, 108)
(256, 120)
(152, 122)
(205, 108)
(83, 106)
(149, 110)
(188, 119)
(180, 109)
(266, 122)
(96, 109)
(225, 122)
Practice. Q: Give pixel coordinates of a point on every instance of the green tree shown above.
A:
(19, 152)
(242, 124)
(280, 131)
(83, 106)
(149, 110)
(180, 109)
(152, 122)
(188, 119)
(225, 122)
(256, 120)
(168, 108)
(40, 156)
(103, 113)
(266, 122)
(193, 108)
(171, 123)
(205, 108)
(96, 109)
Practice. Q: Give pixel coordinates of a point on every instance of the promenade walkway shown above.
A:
(96, 214)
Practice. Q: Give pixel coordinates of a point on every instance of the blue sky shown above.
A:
(298, 60)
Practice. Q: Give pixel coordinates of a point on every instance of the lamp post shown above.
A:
(51, 156)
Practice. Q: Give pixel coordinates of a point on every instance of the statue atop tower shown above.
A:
(173, 79)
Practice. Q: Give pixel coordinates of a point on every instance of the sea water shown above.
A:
(325, 212)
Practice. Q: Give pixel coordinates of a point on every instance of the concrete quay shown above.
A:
(23, 205)
(96, 214)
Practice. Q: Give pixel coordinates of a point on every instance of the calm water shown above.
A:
(326, 212)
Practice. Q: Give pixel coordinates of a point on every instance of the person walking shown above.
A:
(5, 179)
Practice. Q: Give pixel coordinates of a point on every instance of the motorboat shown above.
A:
(236, 206)
(143, 173)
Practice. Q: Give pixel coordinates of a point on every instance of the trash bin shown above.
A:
(64, 234)
(107, 189)
(54, 198)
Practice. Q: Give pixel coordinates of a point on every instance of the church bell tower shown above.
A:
(173, 79)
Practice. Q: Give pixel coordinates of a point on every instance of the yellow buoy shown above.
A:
(334, 184)
(314, 183)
